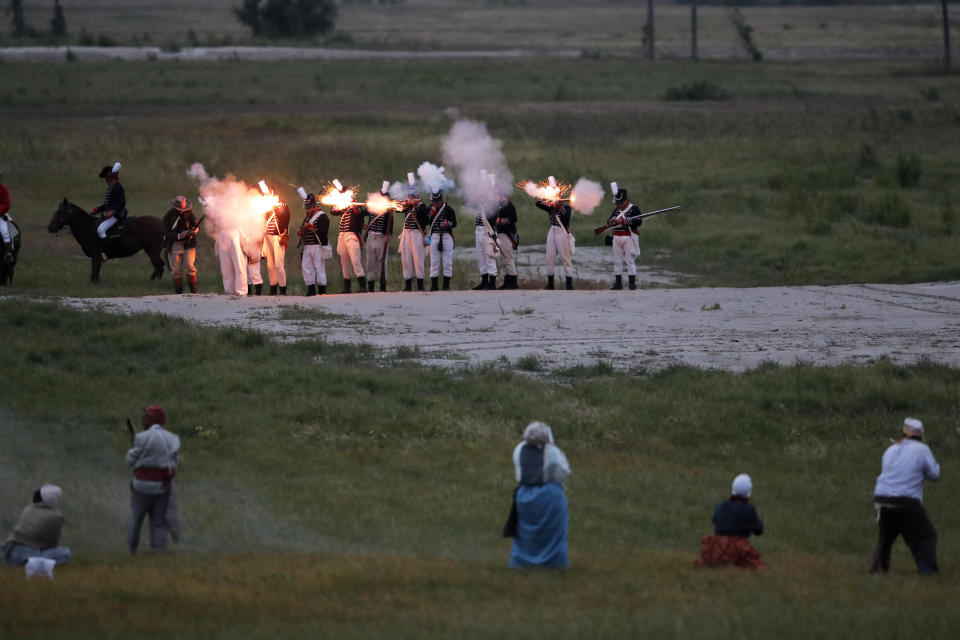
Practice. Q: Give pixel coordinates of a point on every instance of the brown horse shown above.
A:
(139, 233)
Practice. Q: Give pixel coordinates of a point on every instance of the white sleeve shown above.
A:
(516, 460)
(931, 470)
(555, 465)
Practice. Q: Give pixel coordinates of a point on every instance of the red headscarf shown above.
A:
(155, 414)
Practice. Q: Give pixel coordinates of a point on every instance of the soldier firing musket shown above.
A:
(377, 235)
(349, 242)
(550, 198)
(413, 240)
(276, 239)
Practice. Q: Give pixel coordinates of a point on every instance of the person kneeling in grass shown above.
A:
(734, 520)
(37, 534)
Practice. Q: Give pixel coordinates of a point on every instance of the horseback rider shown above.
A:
(180, 228)
(114, 207)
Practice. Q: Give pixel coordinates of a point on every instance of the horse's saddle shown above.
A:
(120, 229)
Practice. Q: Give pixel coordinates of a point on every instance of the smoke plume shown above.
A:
(586, 196)
(480, 166)
(233, 205)
(433, 177)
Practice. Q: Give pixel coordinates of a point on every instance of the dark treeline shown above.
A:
(801, 3)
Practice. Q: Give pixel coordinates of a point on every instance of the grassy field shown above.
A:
(365, 498)
(596, 26)
(807, 174)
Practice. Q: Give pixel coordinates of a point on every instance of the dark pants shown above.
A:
(909, 519)
(154, 505)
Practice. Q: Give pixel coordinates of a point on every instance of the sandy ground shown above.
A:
(723, 328)
(59, 54)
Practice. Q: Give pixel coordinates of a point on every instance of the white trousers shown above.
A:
(507, 254)
(105, 226)
(558, 243)
(412, 253)
(348, 247)
(375, 251)
(623, 255)
(276, 255)
(233, 264)
(254, 276)
(436, 256)
(313, 266)
(5, 231)
(485, 264)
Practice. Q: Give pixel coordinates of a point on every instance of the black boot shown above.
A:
(513, 283)
(483, 283)
(617, 283)
(273, 289)
(249, 289)
(361, 284)
(347, 284)
(371, 285)
(433, 284)
(192, 283)
(419, 284)
(258, 289)
(321, 289)
(633, 282)
(549, 286)
(492, 283)
(383, 287)
(408, 284)
(569, 283)
(178, 288)
(446, 283)
(283, 290)
(311, 290)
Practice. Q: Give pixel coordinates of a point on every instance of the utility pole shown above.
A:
(693, 29)
(946, 38)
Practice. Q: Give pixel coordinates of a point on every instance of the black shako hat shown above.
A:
(310, 202)
(437, 196)
(621, 196)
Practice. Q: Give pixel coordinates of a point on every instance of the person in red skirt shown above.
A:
(734, 520)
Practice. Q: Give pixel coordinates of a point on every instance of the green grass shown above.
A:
(812, 174)
(327, 493)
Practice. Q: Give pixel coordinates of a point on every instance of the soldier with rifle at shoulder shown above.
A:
(625, 248)
(180, 229)
(558, 239)
(443, 219)
(377, 237)
(413, 240)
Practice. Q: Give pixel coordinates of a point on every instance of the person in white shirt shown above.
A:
(898, 497)
(154, 456)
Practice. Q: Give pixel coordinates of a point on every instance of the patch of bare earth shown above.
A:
(724, 328)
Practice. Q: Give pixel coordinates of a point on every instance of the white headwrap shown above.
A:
(742, 486)
(50, 493)
(912, 426)
(538, 433)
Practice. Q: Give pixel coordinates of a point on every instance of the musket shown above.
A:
(491, 233)
(599, 230)
(130, 429)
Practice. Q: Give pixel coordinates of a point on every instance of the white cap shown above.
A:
(264, 188)
(538, 433)
(410, 179)
(614, 187)
(742, 486)
(116, 167)
(302, 193)
(337, 184)
(50, 493)
(912, 425)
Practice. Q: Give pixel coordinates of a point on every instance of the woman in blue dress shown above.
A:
(542, 514)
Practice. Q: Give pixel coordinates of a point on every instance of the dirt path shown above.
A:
(732, 329)
(207, 54)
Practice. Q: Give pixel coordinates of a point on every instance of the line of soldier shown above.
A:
(423, 228)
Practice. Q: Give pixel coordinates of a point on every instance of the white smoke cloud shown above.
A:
(479, 163)
(232, 205)
(586, 196)
(434, 178)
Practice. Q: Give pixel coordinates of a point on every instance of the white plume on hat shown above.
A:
(302, 193)
(116, 167)
(50, 493)
(614, 187)
(410, 179)
(385, 187)
(742, 486)
(338, 185)
(912, 425)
